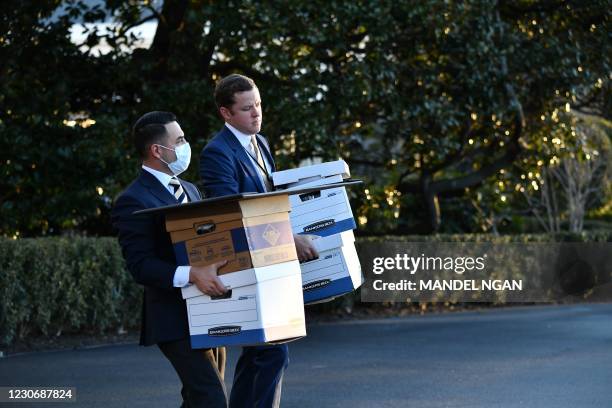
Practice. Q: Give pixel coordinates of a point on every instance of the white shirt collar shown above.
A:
(159, 175)
(243, 138)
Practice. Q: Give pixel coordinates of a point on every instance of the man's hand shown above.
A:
(205, 278)
(305, 250)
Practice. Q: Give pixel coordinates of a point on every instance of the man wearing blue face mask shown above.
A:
(149, 257)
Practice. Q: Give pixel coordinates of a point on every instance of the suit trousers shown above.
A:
(259, 376)
(201, 372)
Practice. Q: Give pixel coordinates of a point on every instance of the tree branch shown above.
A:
(227, 67)
(127, 28)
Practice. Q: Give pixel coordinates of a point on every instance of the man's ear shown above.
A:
(154, 150)
(226, 114)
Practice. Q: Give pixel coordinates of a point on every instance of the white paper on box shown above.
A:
(344, 238)
(284, 292)
(300, 175)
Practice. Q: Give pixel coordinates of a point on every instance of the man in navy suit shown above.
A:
(149, 256)
(238, 160)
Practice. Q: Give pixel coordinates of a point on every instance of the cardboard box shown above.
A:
(307, 174)
(250, 230)
(322, 213)
(265, 305)
(336, 272)
(246, 233)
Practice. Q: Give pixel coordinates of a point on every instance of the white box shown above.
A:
(265, 305)
(321, 213)
(299, 176)
(336, 272)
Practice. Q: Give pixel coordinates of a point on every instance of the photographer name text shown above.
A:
(453, 284)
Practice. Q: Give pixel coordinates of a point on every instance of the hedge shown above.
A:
(50, 286)
(56, 285)
(587, 236)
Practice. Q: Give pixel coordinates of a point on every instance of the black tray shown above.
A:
(245, 196)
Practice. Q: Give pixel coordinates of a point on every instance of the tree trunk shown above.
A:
(172, 16)
(431, 202)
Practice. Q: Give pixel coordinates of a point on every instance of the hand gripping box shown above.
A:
(247, 233)
(337, 270)
(262, 305)
(322, 213)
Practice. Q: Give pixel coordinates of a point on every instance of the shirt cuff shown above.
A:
(181, 276)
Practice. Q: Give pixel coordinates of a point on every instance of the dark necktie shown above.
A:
(262, 167)
(179, 193)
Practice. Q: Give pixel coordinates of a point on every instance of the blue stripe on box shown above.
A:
(247, 337)
(239, 240)
(180, 253)
(335, 288)
(338, 227)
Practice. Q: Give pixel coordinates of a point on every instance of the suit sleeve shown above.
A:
(218, 173)
(137, 239)
(191, 189)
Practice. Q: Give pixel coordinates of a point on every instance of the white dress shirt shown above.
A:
(181, 274)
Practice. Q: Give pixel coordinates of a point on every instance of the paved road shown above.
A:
(549, 356)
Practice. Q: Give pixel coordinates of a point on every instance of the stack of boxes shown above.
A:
(327, 215)
(264, 301)
(267, 286)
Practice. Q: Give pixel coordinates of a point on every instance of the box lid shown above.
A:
(315, 181)
(344, 238)
(218, 213)
(322, 170)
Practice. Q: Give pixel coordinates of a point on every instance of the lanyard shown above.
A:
(265, 171)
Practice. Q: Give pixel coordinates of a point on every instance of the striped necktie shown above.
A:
(179, 193)
(262, 167)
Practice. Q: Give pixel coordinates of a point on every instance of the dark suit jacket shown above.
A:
(149, 256)
(225, 167)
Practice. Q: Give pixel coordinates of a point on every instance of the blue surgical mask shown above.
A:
(183, 158)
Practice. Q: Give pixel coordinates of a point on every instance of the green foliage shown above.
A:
(574, 152)
(52, 164)
(50, 286)
(426, 98)
(591, 236)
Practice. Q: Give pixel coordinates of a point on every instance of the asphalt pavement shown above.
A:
(544, 356)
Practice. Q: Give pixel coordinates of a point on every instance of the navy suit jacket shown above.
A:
(149, 256)
(225, 166)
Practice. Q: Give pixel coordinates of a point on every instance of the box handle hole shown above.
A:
(205, 228)
(310, 196)
(226, 295)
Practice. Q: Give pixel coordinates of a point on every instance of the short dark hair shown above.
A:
(230, 85)
(150, 129)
